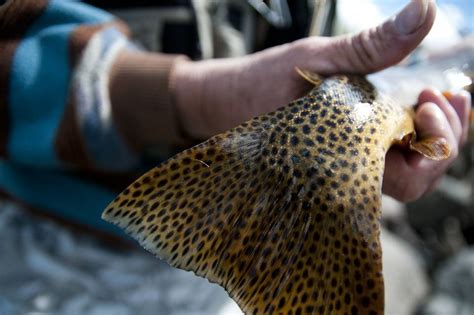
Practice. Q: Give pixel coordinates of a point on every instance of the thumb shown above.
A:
(385, 45)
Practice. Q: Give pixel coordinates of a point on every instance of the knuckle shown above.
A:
(369, 47)
(363, 56)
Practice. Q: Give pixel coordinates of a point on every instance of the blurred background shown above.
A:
(49, 267)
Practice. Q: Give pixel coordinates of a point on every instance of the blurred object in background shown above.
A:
(453, 287)
(450, 69)
(323, 15)
(405, 278)
(47, 269)
(454, 19)
(204, 29)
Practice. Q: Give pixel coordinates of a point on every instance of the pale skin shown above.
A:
(216, 95)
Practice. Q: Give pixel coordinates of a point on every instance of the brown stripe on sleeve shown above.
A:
(142, 100)
(15, 18)
(69, 144)
(116, 181)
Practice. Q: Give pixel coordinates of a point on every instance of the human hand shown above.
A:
(408, 175)
(215, 95)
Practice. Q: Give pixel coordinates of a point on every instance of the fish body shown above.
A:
(282, 211)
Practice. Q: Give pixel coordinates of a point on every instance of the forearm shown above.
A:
(204, 94)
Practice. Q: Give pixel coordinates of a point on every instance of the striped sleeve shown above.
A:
(55, 108)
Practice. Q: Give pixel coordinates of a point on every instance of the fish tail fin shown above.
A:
(257, 211)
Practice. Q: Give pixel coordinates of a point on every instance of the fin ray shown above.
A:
(309, 76)
(434, 148)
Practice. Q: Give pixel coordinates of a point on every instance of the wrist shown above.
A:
(204, 94)
(186, 85)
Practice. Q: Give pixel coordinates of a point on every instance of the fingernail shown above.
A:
(430, 120)
(411, 17)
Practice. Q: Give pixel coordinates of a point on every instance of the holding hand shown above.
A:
(215, 95)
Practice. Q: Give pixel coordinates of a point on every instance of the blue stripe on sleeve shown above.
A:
(39, 87)
(71, 12)
(70, 198)
(39, 81)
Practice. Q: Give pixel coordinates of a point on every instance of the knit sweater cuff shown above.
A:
(142, 97)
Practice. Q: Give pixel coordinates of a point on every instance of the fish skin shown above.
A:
(282, 211)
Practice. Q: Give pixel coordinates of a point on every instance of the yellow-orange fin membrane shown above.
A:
(309, 76)
(282, 214)
(434, 148)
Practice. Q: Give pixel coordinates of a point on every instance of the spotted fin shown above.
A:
(282, 211)
(284, 216)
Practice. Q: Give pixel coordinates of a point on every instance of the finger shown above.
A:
(449, 111)
(432, 121)
(384, 45)
(408, 175)
(461, 103)
(397, 180)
